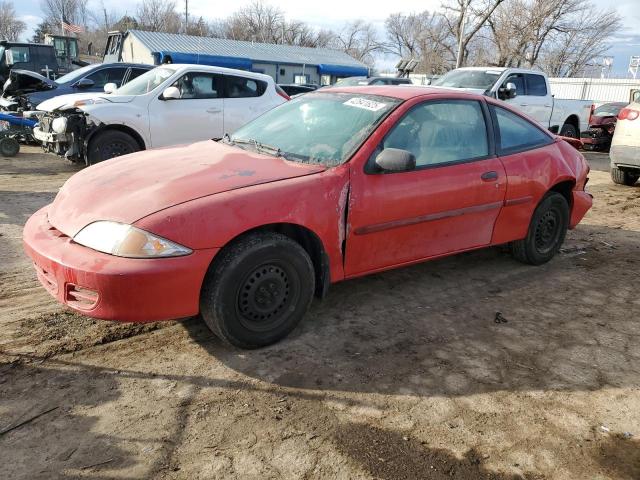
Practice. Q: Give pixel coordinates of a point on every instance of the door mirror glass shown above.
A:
(395, 160)
(170, 93)
(85, 83)
(508, 91)
(110, 88)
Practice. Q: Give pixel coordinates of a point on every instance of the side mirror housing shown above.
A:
(85, 83)
(110, 88)
(395, 160)
(508, 91)
(170, 93)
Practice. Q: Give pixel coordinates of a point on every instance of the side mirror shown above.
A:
(110, 88)
(85, 83)
(395, 160)
(170, 93)
(508, 91)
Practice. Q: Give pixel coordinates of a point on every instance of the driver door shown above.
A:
(448, 203)
(197, 115)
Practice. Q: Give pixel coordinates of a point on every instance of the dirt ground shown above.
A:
(401, 375)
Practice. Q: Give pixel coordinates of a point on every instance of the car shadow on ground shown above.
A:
(472, 323)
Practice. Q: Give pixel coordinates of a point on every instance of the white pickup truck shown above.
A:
(526, 90)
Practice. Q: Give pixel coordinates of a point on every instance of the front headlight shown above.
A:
(87, 101)
(124, 240)
(59, 125)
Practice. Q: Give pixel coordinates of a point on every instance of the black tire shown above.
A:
(623, 178)
(110, 144)
(257, 290)
(569, 130)
(547, 231)
(9, 147)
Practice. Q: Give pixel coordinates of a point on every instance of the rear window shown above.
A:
(536, 85)
(242, 87)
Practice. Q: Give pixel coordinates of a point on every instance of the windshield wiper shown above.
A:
(260, 147)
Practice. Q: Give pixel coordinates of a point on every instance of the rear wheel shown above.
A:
(9, 147)
(569, 130)
(110, 144)
(547, 231)
(257, 290)
(623, 178)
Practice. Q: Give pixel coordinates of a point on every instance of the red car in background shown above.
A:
(602, 124)
(333, 185)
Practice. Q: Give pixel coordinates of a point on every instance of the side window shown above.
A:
(100, 78)
(516, 133)
(536, 85)
(378, 81)
(441, 132)
(116, 75)
(518, 80)
(19, 54)
(242, 87)
(196, 85)
(136, 72)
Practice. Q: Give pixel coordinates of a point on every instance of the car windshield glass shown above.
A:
(468, 79)
(323, 128)
(146, 82)
(75, 74)
(351, 82)
(607, 110)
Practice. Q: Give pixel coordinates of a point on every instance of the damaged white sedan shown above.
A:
(169, 105)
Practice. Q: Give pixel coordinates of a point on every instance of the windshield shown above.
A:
(468, 79)
(324, 128)
(75, 74)
(351, 82)
(1, 56)
(608, 110)
(146, 82)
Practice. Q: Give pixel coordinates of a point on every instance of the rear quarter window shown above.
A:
(243, 87)
(515, 134)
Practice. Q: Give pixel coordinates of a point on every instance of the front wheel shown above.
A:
(9, 147)
(257, 290)
(623, 178)
(110, 144)
(546, 233)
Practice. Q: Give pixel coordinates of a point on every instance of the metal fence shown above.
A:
(597, 89)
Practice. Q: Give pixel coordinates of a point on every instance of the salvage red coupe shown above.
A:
(332, 185)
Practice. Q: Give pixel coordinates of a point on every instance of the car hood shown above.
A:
(64, 102)
(128, 188)
(21, 82)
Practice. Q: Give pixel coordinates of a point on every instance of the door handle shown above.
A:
(489, 176)
(213, 110)
(524, 104)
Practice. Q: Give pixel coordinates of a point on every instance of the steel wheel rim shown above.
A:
(115, 149)
(547, 231)
(266, 296)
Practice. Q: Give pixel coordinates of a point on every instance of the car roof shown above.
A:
(209, 68)
(401, 92)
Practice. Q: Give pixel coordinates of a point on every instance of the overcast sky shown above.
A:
(334, 13)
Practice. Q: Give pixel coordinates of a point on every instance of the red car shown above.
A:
(333, 185)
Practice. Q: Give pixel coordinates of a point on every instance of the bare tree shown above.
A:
(464, 19)
(423, 37)
(158, 16)
(360, 40)
(72, 10)
(10, 26)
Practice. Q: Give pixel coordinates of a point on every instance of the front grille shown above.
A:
(47, 279)
(80, 297)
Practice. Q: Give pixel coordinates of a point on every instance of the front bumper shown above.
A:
(114, 288)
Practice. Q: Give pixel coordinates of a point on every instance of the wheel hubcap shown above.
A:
(264, 297)
(547, 231)
(116, 149)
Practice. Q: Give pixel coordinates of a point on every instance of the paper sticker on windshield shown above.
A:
(359, 102)
(493, 72)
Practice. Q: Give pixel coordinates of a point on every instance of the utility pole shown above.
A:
(461, 39)
(186, 16)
